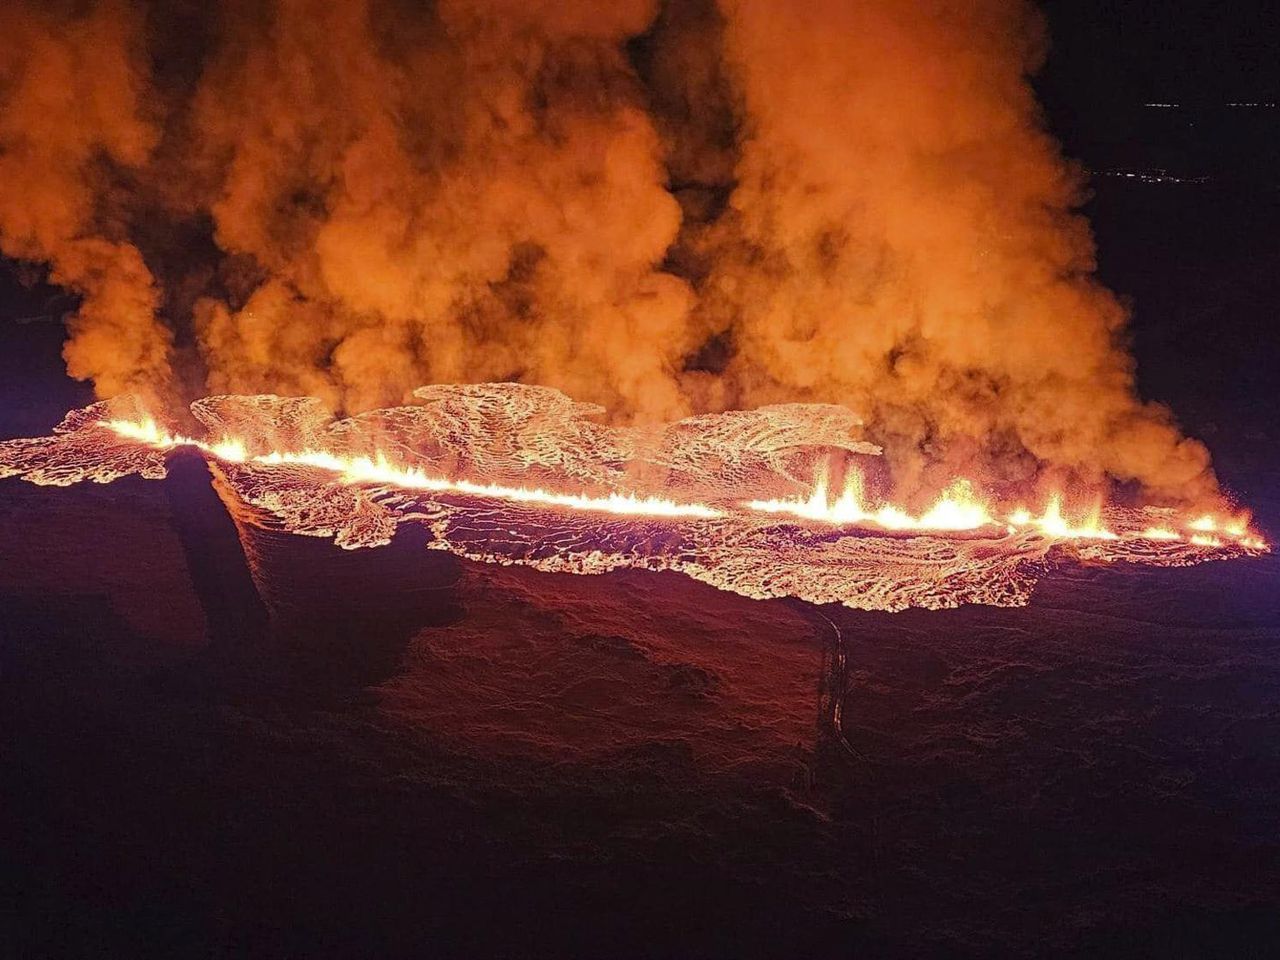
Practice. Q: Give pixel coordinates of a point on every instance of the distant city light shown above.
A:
(1255, 104)
(1151, 176)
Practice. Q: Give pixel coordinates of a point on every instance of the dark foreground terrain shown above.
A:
(412, 756)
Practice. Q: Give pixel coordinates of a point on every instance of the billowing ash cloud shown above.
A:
(661, 208)
(72, 126)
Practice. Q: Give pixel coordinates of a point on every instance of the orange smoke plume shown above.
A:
(902, 238)
(662, 209)
(72, 120)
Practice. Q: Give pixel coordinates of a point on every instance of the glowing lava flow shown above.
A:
(959, 509)
(288, 466)
(1054, 523)
(380, 470)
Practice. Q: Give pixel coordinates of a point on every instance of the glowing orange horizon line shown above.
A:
(380, 470)
(957, 509)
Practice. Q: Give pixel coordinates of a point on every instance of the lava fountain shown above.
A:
(516, 474)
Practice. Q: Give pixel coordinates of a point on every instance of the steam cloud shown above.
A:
(659, 208)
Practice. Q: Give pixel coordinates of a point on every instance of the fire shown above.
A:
(959, 508)
(380, 470)
(829, 543)
(1054, 523)
(1233, 526)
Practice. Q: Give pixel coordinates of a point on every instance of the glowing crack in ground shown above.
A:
(516, 474)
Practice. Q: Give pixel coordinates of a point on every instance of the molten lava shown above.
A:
(958, 508)
(515, 474)
(379, 470)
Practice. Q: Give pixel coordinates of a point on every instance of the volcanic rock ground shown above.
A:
(399, 754)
